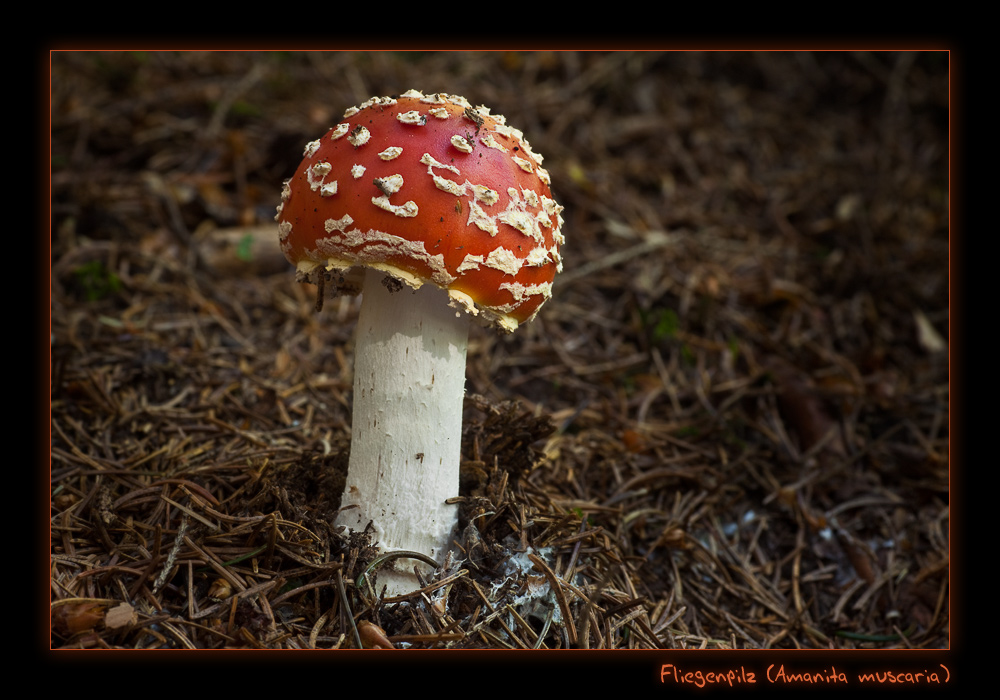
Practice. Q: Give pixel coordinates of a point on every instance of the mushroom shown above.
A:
(437, 212)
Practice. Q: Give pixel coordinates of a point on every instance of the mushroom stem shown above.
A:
(409, 384)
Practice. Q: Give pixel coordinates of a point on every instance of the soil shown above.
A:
(728, 429)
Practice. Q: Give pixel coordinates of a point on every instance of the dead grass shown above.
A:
(728, 429)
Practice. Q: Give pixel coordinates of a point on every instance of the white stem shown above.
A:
(409, 383)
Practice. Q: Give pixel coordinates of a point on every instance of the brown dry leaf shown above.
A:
(928, 337)
(121, 615)
(804, 409)
(73, 618)
(373, 636)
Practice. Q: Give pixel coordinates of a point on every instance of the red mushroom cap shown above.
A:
(427, 189)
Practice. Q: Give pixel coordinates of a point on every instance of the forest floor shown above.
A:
(728, 429)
